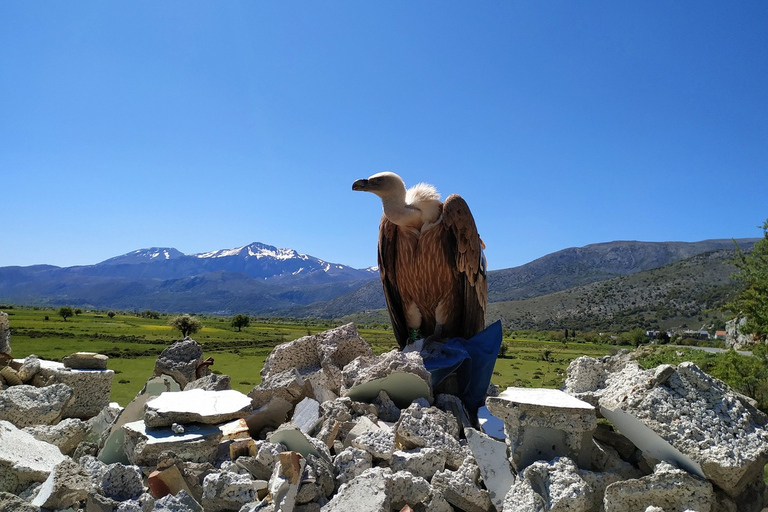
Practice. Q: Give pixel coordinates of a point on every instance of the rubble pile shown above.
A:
(332, 427)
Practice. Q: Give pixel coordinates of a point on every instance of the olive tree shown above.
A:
(240, 321)
(188, 325)
(66, 312)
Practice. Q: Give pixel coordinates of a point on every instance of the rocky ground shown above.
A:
(333, 427)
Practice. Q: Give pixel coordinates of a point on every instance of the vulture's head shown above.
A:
(386, 185)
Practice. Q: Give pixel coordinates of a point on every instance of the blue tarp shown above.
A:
(471, 360)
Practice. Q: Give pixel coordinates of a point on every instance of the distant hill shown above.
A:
(260, 279)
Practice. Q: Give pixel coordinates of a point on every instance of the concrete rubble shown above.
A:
(334, 427)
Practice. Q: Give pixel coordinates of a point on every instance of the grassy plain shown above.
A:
(133, 343)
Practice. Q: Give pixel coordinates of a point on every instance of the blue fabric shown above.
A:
(471, 360)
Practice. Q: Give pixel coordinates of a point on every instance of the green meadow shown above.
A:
(133, 342)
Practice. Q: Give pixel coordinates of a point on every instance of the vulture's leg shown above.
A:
(413, 319)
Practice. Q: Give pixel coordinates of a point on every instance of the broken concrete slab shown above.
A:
(264, 460)
(295, 440)
(86, 361)
(379, 442)
(286, 480)
(180, 361)
(493, 461)
(90, 388)
(542, 424)
(329, 351)
(26, 405)
(268, 417)
(401, 375)
(112, 449)
(196, 406)
(66, 434)
(306, 415)
(683, 415)
(668, 487)
(181, 502)
(553, 485)
(462, 488)
(350, 463)
(12, 503)
(288, 385)
(66, 485)
(143, 446)
(423, 426)
(24, 459)
(162, 482)
(225, 490)
(210, 382)
(421, 462)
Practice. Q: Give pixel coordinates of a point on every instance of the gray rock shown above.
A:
(224, 490)
(121, 482)
(29, 368)
(24, 459)
(263, 463)
(288, 385)
(25, 405)
(269, 416)
(421, 462)
(317, 481)
(401, 375)
(286, 480)
(180, 361)
(493, 461)
(554, 485)
(181, 502)
(196, 406)
(12, 503)
(306, 415)
(350, 463)
(66, 435)
(668, 488)
(66, 485)
(369, 491)
(429, 427)
(379, 442)
(210, 382)
(462, 488)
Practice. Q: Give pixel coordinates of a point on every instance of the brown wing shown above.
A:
(387, 270)
(466, 249)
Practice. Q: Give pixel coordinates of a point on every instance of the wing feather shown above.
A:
(470, 263)
(388, 272)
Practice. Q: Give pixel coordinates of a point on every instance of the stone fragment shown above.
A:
(180, 361)
(66, 485)
(368, 491)
(143, 446)
(286, 480)
(360, 426)
(317, 482)
(29, 368)
(288, 385)
(12, 503)
(113, 446)
(306, 415)
(211, 382)
(90, 388)
(586, 376)
(5, 334)
(684, 416)
(387, 410)
(86, 361)
(224, 490)
(401, 375)
(554, 485)
(26, 405)
(268, 417)
(329, 351)
(295, 440)
(493, 461)
(379, 442)
(421, 462)
(196, 406)
(263, 462)
(66, 434)
(182, 502)
(462, 488)
(542, 424)
(162, 482)
(121, 482)
(237, 429)
(102, 422)
(668, 488)
(421, 426)
(350, 463)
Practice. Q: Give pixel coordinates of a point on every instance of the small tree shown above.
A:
(65, 312)
(752, 301)
(111, 314)
(240, 321)
(188, 325)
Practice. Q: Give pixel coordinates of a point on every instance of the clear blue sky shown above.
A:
(210, 125)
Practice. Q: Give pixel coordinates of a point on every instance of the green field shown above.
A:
(133, 342)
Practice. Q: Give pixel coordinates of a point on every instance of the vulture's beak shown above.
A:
(360, 185)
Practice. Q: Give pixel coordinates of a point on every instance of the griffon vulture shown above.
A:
(431, 261)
